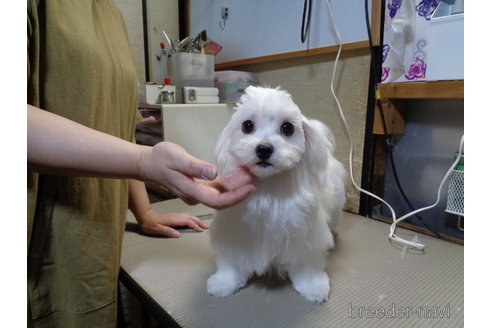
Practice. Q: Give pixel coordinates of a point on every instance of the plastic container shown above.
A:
(231, 84)
(456, 189)
(456, 194)
(160, 71)
(190, 70)
(461, 163)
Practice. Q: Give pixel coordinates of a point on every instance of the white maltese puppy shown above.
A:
(289, 222)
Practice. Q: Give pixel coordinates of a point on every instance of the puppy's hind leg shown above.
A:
(333, 225)
(226, 281)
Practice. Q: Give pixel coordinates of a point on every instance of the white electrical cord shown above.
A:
(392, 236)
(459, 223)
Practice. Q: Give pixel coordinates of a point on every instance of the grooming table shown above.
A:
(373, 282)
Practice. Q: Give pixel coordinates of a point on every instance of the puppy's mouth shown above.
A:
(264, 164)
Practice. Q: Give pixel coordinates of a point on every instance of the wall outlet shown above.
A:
(224, 12)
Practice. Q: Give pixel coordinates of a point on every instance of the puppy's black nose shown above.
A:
(264, 151)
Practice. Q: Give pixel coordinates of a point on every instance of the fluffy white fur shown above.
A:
(289, 222)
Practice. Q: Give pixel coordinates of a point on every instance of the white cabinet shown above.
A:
(195, 127)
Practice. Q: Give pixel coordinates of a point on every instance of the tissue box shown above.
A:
(198, 95)
(446, 48)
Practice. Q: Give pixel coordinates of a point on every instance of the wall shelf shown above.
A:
(423, 90)
(295, 54)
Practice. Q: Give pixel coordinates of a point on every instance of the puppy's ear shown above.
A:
(320, 145)
(222, 151)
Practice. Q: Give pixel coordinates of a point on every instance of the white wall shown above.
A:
(132, 11)
(258, 28)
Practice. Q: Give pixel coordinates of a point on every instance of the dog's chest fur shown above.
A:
(278, 204)
(276, 217)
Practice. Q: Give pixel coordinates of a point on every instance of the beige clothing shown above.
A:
(80, 67)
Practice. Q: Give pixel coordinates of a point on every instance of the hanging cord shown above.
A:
(392, 236)
(389, 146)
(305, 25)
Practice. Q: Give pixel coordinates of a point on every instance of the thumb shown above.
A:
(192, 166)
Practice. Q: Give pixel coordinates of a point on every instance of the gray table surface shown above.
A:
(373, 283)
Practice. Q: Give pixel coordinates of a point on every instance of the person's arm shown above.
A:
(56, 145)
(155, 223)
(152, 222)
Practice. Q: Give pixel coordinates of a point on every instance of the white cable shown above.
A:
(347, 129)
(392, 236)
(459, 223)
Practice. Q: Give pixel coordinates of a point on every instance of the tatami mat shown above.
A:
(373, 283)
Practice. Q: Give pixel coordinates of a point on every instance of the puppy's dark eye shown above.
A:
(247, 127)
(287, 129)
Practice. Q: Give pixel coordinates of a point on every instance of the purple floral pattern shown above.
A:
(426, 8)
(385, 74)
(385, 70)
(406, 61)
(416, 70)
(393, 6)
(418, 67)
(385, 51)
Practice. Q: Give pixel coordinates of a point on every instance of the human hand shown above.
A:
(194, 180)
(155, 223)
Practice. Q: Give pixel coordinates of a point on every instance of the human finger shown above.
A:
(189, 165)
(161, 230)
(183, 219)
(201, 223)
(239, 177)
(222, 199)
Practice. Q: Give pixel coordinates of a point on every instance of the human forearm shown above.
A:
(59, 146)
(138, 198)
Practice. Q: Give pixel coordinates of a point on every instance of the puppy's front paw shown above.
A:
(314, 289)
(223, 284)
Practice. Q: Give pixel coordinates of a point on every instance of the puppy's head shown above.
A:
(265, 134)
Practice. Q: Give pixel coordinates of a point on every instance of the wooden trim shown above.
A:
(295, 54)
(376, 22)
(379, 167)
(394, 117)
(424, 90)
(423, 230)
